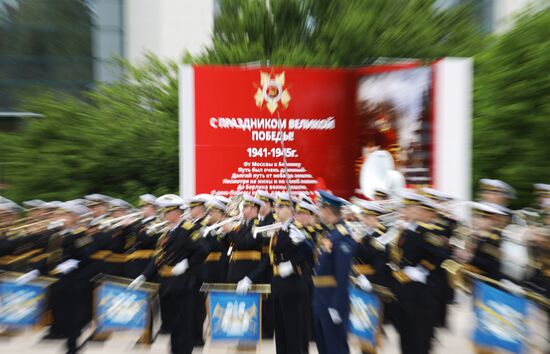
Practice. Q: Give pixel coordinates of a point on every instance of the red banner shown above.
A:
(246, 119)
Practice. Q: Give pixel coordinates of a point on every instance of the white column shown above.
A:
(187, 130)
(453, 127)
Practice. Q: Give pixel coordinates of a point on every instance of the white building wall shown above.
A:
(167, 28)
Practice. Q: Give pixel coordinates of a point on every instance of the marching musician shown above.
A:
(146, 240)
(181, 251)
(288, 286)
(307, 214)
(215, 264)
(416, 253)
(266, 217)
(67, 257)
(245, 251)
(438, 279)
(330, 295)
(495, 191)
(484, 257)
(370, 257)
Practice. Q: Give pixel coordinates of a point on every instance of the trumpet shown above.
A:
(151, 229)
(270, 229)
(234, 205)
(120, 221)
(218, 225)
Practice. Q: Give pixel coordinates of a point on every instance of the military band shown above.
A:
(309, 250)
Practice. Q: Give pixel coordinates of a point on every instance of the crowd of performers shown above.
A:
(398, 246)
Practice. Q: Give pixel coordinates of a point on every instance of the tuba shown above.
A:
(378, 172)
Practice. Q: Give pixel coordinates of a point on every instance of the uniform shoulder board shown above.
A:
(298, 224)
(310, 228)
(79, 230)
(430, 226)
(188, 225)
(341, 229)
(83, 241)
(256, 222)
(195, 235)
(434, 239)
(319, 227)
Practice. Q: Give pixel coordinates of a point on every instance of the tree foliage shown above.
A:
(512, 106)
(340, 32)
(121, 139)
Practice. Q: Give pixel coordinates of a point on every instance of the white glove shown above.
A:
(512, 287)
(180, 268)
(243, 286)
(418, 273)
(296, 235)
(364, 283)
(67, 266)
(27, 277)
(334, 316)
(136, 283)
(285, 269)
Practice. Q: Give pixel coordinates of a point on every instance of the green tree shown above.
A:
(120, 140)
(340, 32)
(512, 107)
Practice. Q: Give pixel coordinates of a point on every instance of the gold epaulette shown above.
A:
(436, 240)
(310, 228)
(78, 230)
(188, 225)
(341, 229)
(256, 222)
(430, 226)
(319, 227)
(298, 224)
(490, 235)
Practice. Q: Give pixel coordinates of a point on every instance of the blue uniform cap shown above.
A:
(326, 198)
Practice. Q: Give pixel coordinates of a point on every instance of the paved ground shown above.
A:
(450, 341)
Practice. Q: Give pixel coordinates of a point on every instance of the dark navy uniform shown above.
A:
(288, 291)
(486, 259)
(331, 282)
(267, 308)
(245, 253)
(179, 293)
(414, 318)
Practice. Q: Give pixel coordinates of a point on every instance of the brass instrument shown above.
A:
(269, 230)
(120, 221)
(216, 227)
(234, 205)
(458, 273)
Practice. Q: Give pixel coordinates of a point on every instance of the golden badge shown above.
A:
(272, 93)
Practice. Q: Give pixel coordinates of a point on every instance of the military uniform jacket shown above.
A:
(486, 259)
(283, 249)
(182, 242)
(245, 253)
(215, 264)
(369, 258)
(423, 246)
(144, 240)
(332, 272)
